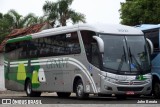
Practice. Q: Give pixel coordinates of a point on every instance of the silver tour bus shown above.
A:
(83, 59)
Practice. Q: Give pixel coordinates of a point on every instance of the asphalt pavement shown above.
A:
(52, 98)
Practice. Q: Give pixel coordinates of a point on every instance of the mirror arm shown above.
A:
(150, 44)
(100, 44)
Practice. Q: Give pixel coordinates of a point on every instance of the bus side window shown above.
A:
(12, 51)
(32, 49)
(72, 43)
(24, 50)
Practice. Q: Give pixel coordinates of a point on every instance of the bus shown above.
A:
(152, 32)
(84, 59)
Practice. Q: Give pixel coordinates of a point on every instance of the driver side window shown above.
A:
(91, 48)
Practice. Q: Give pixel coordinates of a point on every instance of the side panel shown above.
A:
(52, 73)
(16, 73)
(156, 64)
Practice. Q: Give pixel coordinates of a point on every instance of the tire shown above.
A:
(63, 94)
(156, 90)
(80, 94)
(29, 92)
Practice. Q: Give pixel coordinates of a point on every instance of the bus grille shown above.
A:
(134, 82)
(130, 88)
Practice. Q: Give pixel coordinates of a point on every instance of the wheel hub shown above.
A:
(29, 88)
(80, 89)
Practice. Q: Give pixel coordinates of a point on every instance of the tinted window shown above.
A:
(12, 51)
(63, 44)
(153, 35)
(91, 47)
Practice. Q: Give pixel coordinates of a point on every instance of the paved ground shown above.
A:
(51, 98)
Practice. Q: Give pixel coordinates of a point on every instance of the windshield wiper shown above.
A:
(137, 65)
(123, 59)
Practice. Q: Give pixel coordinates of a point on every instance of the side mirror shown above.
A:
(150, 45)
(100, 43)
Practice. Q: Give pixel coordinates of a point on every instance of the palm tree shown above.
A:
(60, 11)
(17, 18)
(13, 20)
(19, 21)
(5, 25)
(31, 19)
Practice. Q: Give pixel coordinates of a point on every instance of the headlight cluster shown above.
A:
(110, 79)
(148, 78)
(113, 80)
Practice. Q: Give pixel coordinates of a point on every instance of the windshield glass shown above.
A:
(139, 58)
(125, 54)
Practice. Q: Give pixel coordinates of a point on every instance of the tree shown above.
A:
(19, 21)
(13, 20)
(135, 12)
(61, 12)
(5, 25)
(31, 19)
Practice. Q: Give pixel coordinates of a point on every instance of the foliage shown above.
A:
(19, 21)
(5, 26)
(54, 12)
(135, 12)
(13, 20)
(61, 12)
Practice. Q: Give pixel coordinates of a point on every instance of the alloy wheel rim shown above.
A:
(29, 88)
(80, 90)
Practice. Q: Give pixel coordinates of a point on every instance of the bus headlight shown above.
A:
(148, 80)
(111, 80)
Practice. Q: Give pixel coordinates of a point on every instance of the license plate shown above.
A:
(130, 92)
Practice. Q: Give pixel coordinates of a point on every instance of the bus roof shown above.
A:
(27, 37)
(100, 28)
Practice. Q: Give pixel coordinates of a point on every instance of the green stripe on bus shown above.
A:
(19, 39)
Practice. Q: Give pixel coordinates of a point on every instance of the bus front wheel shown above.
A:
(80, 90)
(156, 90)
(29, 92)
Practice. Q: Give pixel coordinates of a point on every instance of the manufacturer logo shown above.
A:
(122, 30)
(131, 83)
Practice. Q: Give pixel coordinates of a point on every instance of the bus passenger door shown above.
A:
(95, 67)
(93, 57)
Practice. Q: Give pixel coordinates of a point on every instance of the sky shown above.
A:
(96, 11)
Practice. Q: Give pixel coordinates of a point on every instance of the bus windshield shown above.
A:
(125, 54)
